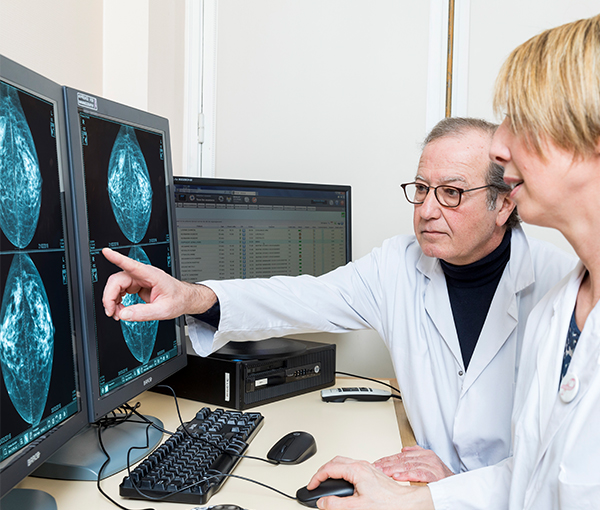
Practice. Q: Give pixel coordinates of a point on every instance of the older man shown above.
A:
(450, 303)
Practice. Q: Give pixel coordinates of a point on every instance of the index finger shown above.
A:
(142, 275)
(121, 283)
(336, 468)
(122, 261)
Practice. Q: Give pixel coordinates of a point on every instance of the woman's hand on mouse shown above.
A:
(372, 489)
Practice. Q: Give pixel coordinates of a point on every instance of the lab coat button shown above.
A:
(569, 387)
(461, 373)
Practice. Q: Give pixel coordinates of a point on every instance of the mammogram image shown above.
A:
(140, 337)
(26, 339)
(129, 187)
(20, 177)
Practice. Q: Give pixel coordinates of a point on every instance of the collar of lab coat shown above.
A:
(553, 411)
(502, 316)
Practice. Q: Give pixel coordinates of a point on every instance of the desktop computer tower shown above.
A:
(248, 374)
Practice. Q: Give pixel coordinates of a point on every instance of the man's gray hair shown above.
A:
(457, 127)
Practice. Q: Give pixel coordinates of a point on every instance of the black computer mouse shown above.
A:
(330, 487)
(293, 448)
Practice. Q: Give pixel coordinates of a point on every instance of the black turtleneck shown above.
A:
(471, 289)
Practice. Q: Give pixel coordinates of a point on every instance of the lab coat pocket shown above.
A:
(578, 496)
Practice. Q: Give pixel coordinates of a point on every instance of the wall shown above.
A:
(125, 59)
(166, 57)
(61, 39)
(131, 52)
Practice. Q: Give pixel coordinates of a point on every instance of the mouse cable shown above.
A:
(196, 437)
(131, 411)
(231, 475)
(205, 479)
(108, 460)
(372, 380)
(111, 420)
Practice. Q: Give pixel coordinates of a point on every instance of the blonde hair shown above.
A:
(549, 88)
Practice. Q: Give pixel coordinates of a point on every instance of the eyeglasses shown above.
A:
(447, 196)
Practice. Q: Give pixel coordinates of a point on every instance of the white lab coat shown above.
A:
(556, 443)
(401, 293)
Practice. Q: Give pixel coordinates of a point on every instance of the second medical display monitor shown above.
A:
(122, 179)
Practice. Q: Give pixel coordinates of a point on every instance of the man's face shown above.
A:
(469, 232)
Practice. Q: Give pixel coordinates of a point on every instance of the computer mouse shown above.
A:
(329, 487)
(293, 448)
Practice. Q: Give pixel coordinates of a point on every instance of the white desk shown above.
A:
(361, 430)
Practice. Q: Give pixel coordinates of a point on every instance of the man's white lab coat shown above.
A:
(464, 417)
(556, 441)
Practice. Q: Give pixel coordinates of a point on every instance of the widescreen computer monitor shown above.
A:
(122, 183)
(230, 228)
(41, 387)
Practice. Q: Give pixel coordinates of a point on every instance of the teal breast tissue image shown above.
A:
(129, 186)
(20, 177)
(130, 193)
(140, 337)
(27, 339)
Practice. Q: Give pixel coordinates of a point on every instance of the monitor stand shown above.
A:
(30, 499)
(81, 458)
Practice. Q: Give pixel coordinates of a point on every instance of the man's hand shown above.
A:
(414, 464)
(372, 489)
(165, 296)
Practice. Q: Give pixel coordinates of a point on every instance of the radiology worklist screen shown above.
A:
(258, 232)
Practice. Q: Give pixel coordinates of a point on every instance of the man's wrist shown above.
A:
(199, 298)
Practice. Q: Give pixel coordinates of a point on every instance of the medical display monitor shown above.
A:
(41, 363)
(121, 170)
(230, 228)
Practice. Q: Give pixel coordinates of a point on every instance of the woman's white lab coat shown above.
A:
(556, 440)
(464, 417)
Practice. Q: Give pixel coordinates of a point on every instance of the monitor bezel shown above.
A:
(23, 462)
(99, 405)
(219, 181)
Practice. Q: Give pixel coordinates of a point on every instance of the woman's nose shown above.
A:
(499, 152)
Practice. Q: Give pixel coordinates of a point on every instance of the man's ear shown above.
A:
(506, 207)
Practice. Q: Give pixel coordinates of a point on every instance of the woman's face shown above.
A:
(546, 189)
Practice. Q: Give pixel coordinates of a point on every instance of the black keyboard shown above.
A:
(189, 466)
